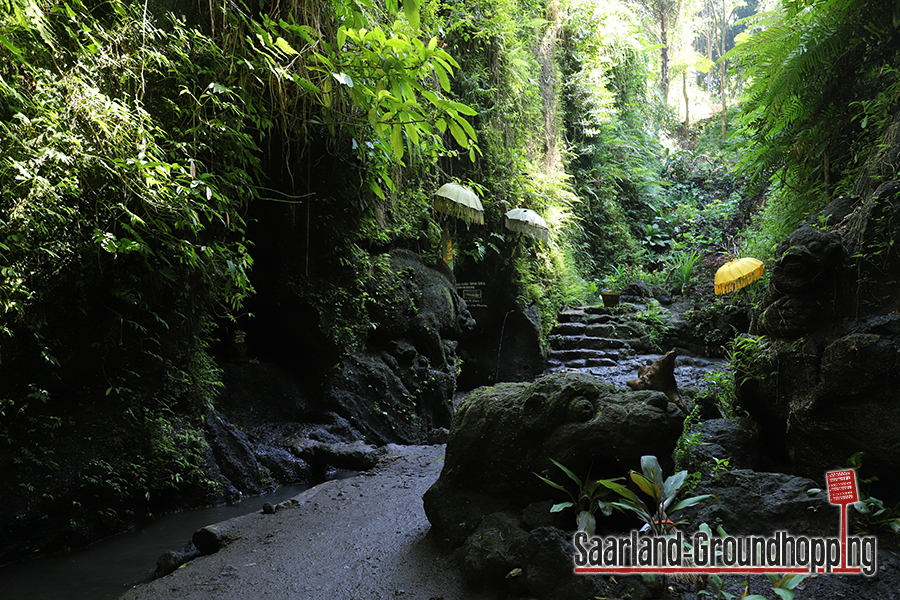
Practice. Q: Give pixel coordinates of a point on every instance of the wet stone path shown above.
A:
(610, 344)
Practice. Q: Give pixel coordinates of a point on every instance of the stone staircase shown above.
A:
(594, 336)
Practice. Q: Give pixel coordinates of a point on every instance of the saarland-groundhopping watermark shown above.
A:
(702, 553)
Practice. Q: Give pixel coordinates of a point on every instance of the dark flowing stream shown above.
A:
(107, 569)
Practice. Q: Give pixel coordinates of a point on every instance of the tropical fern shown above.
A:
(823, 83)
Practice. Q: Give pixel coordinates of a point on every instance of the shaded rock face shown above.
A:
(750, 503)
(501, 436)
(400, 387)
(822, 386)
(718, 439)
(804, 284)
(519, 354)
(489, 501)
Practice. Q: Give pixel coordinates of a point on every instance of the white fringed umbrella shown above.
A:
(459, 201)
(528, 222)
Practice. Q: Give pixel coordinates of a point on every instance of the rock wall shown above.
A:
(401, 385)
(822, 381)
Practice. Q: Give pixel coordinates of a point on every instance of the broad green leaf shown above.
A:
(398, 44)
(411, 10)
(790, 581)
(397, 141)
(441, 73)
(646, 486)
(377, 189)
(651, 469)
(559, 507)
(463, 108)
(467, 127)
(673, 484)
(412, 132)
(458, 134)
(587, 523)
(283, 45)
(620, 489)
(568, 473)
(640, 510)
(689, 502)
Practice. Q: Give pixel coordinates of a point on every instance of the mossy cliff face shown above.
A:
(400, 385)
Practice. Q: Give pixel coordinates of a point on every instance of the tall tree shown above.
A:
(661, 18)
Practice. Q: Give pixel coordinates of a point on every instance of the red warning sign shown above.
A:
(842, 487)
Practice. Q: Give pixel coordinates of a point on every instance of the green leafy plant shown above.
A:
(782, 585)
(586, 501)
(720, 386)
(721, 465)
(681, 269)
(617, 279)
(654, 326)
(715, 588)
(750, 359)
(662, 492)
(874, 515)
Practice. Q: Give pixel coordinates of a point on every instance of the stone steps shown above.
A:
(592, 336)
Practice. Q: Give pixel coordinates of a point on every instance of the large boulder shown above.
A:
(501, 436)
(490, 502)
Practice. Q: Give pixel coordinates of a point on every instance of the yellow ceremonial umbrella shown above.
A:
(735, 274)
(457, 201)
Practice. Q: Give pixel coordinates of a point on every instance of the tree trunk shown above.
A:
(710, 44)
(664, 51)
(687, 104)
(722, 70)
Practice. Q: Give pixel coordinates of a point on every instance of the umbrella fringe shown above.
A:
(455, 209)
(529, 229)
(730, 286)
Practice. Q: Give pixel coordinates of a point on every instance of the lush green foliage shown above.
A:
(587, 500)
(132, 145)
(662, 492)
(823, 89)
(616, 156)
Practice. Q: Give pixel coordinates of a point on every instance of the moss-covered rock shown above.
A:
(400, 386)
(501, 436)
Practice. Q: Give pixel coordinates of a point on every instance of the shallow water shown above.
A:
(107, 569)
(689, 371)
